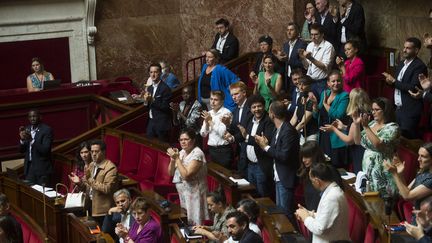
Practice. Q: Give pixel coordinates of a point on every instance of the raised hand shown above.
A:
(173, 153)
(242, 130)
(418, 94)
(424, 82)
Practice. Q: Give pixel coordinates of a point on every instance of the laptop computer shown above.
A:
(51, 84)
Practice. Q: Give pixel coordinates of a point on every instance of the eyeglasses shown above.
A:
(376, 110)
(184, 139)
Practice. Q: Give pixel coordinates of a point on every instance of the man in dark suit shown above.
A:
(290, 54)
(259, 163)
(351, 24)
(284, 149)
(119, 214)
(241, 116)
(296, 75)
(408, 109)
(225, 42)
(324, 17)
(35, 142)
(158, 97)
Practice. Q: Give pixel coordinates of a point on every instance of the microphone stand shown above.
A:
(45, 215)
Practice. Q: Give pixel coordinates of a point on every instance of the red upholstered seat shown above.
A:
(404, 209)
(371, 235)
(147, 164)
(303, 230)
(411, 163)
(265, 235)
(427, 136)
(357, 221)
(113, 148)
(129, 158)
(28, 235)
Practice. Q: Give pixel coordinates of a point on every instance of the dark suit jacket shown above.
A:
(354, 25)
(246, 117)
(110, 222)
(250, 236)
(294, 61)
(40, 152)
(230, 48)
(293, 102)
(285, 152)
(411, 107)
(265, 126)
(160, 105)
(330, 29)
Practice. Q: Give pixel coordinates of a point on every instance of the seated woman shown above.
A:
(421, 187)
(268, 83)
(359, 102)
(303, 120)
(332, 106)
(145, 229)
(216, 202)
(310, 153)
(353, 69)
(252, 210)
(39, 75)
(190, 177)
(380, 138)
(215, 77)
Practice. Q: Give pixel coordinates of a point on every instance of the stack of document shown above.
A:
(49, 192)
(240, 182)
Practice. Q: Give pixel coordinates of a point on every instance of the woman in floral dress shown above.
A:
(190, 176)
(380, 138)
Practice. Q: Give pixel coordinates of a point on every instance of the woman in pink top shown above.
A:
(353, 70)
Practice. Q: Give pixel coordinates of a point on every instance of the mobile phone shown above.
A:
(94, 229)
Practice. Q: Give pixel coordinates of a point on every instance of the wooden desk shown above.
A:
(32, 202)
(376, 211)
(78, 231)
(281, 222)
(222, 175)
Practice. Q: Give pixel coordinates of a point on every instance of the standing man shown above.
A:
(158, 97)
(100, 181)
(225, 42)
(351, 25)
(121, 213)
(318, 58)
(290, 53)
(296, 76)
(408, 108)
(241, 117)
(35, 142)
(259, 163)
(330, 222)
(284, 149)
(324, 17)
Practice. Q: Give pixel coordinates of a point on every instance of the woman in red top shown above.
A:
(353, 69)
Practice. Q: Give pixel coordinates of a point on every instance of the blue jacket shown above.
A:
(337, 111)
(221, 79)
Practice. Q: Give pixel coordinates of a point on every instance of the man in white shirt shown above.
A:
(119, 214)
(219, 149)
(318, 58)
(330, 222)
(408, 109)
(225, 42)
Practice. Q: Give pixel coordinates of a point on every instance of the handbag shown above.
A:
(75, 199)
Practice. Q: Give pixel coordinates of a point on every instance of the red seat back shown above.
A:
(129, 157)
(162, 176)
(371, 235)
(147, 164)
(357, 221)
(266, 235)
(411, 163)
(113, 148)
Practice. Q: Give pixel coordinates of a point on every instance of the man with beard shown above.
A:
(408, 109)
(238, 228)
(225, 42)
